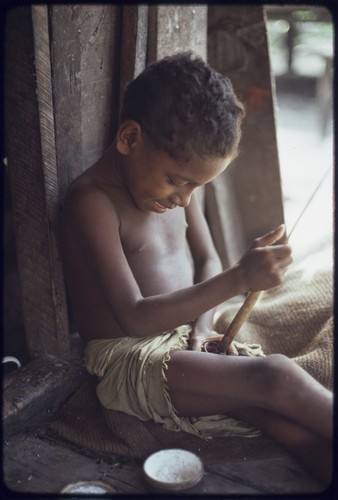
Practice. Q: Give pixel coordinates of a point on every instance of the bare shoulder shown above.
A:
(83, 187)
(87, 201)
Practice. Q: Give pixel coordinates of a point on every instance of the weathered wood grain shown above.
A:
(39, 387)
(237, 47)
(133, 43)
(85, 64)
(65, 62)
(32, 465)
(223, 215)
(35, 465)
(174, 28)
(100, 35)
(32, 179)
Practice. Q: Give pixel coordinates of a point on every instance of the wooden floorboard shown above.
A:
(34, 464)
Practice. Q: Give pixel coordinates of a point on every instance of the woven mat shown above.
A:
(83, 422)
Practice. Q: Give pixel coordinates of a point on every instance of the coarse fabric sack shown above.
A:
(294, 319)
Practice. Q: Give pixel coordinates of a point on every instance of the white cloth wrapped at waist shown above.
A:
(132, 379)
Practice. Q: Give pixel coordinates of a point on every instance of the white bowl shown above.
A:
(88, 487)
(173, 470)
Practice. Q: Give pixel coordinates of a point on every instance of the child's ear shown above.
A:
(128, 135)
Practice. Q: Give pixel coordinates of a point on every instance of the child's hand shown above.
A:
(197, 341)
(263, 265)
(209, 343)
(197, 338)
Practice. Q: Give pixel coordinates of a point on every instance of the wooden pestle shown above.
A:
(238, 321)
(242, 314)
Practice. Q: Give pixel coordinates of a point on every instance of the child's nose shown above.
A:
(185, 196)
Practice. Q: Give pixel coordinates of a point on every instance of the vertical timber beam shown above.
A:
(33, 180)
(65, 58)
(152, 32)
(85, 44)
(173, 28)
(133, 43)
(248, 195)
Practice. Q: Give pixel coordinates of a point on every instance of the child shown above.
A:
(144, 278)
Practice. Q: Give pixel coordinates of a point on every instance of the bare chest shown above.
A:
(154, 234)
(157, 252)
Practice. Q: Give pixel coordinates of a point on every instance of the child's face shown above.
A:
(157, 182)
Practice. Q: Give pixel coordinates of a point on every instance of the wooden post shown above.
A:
(174, 28)
(33, 180)
(248, 195)
(85, 68)
(133, 43)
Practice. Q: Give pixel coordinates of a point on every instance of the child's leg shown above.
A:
(202, 384)
(314, 452)
(273, 394)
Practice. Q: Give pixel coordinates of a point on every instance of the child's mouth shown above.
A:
(160, 208)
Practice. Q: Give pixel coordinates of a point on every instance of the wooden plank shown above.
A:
(50, 175)
(133, 481)
(152, 32)
(32, 465)
(133, 43)
(32, 178)
(224, 219)
(128, 478)
(35, 465)
(85, 65)
(276, 475)
(14, 343)
(100, 26)
(65, 61)
(237, 48)
(39, 386)
(174, 28)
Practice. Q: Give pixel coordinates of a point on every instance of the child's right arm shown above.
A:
(262, 257)
(96, 227)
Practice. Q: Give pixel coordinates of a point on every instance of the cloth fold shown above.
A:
(132, 380)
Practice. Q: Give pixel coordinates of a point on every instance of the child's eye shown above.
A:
(172, 182)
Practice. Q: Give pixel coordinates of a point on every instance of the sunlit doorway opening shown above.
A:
(301, 57)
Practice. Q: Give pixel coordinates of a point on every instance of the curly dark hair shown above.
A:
(185, 107)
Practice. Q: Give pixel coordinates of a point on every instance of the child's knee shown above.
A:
(278, 373)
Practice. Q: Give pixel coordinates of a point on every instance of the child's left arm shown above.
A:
(206, 264)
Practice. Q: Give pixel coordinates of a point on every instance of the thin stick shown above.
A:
(242, 314)
(309, 200)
